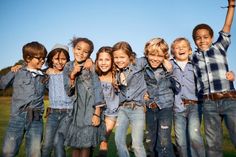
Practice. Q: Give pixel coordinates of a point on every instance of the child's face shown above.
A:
(155, 59)
(81, 51)
(121, 59)
(59, 60)
(104, 62)
(36, 63)
(182, 51)
(203, 39)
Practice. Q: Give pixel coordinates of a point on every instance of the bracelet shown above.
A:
(229, 6)
(96, 115)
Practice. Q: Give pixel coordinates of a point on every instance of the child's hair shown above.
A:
(76, 40)
(33, 49)
(53, 52)
(153, 45)
(176, 41)
(108, 50)
(122, 45)
(202, 26)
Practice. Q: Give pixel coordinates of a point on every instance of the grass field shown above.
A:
(229, 150)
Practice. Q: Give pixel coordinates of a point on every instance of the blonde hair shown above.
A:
(176, 41)
(153, 45)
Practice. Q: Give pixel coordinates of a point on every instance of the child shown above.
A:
(186, 107)
(160, 98)
(218, 94)
(60, 104)
(105, 70)
(85, 86)
(29, 84)
(132, 88)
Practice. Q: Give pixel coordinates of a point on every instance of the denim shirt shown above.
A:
(57, 95)
(88, 78)
(159, 87)
(28, 90)
(136, 85)
(187, 80)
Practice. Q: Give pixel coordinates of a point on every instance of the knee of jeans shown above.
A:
(9, 147)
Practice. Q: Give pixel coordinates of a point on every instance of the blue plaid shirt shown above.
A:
(211, 66)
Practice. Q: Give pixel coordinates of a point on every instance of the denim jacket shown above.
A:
(160, 88)
(136, 85)
(28, 90)
(89, 79)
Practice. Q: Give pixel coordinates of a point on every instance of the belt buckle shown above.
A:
(152, 105)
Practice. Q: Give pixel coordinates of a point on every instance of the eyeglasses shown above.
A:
(39, 58)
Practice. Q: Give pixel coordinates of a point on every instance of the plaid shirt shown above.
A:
(211, 67)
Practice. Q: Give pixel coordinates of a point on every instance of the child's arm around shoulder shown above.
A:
(229, 16)
(7, 80)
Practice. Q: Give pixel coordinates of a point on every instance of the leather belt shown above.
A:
(52, 110)
(189, 102)
(220, 95)
(129, 104)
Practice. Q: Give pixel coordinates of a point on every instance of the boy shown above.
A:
(29, 84)
(157, 74)
(186, 109)
(218, 94)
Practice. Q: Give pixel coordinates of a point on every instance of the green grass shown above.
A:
(229, 150)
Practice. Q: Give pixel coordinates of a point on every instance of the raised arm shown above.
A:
(229, 16)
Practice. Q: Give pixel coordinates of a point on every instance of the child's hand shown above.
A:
(230, 76)
(75, 70)
(95, 120)
(16, 68)
(167, 64)
(88, 64)
(146, 97)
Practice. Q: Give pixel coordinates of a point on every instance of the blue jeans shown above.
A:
(136, 118)
(213, 114)
(188, 132)
(159, 124)
(54, 139)
(19, 126)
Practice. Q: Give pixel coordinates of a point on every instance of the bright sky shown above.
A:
(105, 22)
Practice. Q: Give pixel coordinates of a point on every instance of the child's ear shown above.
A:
(28, 59)
(190, 52)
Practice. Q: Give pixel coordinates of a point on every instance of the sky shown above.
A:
(105, 22)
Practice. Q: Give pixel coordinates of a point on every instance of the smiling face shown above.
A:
(121, 59)
(59, 60)
(81, 51)
(181, 50)
(203, 39)
(155, 59)
(104, 62)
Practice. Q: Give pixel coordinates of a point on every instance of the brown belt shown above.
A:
(130, 104)
(152, 105)
(189, 102)
(220, 95)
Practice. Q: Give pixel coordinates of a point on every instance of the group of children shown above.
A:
(119, 91)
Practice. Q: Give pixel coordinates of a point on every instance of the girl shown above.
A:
(132, 88)
(85, 87)
(60, 104)
(105, 70)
